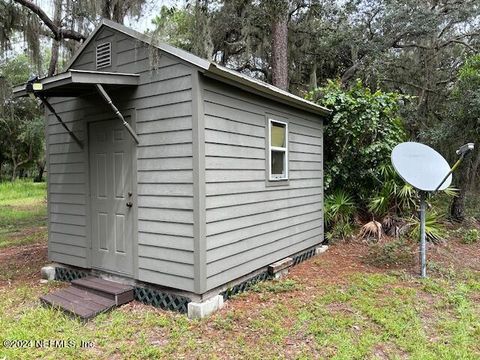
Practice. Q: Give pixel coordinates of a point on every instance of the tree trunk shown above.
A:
(40, 169)
(457, 209)
(280, 50)
(118, 13)
(313, 77)
(52, 68)
(14, 170)
(106, 9)
(474, 173)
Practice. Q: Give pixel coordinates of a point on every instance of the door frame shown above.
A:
(106, 116)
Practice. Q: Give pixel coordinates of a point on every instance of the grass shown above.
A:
(373, 315)
(362, 314)
(22, 206)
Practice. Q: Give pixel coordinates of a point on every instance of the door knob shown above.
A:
(129, 204)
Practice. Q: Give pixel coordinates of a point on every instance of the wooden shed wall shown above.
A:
(250, 224)
(67, 186)
(163, 112)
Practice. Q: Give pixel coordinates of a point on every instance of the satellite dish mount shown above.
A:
(427, 171)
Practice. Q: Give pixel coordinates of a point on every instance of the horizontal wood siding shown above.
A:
(67, 187)
(163, 112)
(251, 224)
(163, 105)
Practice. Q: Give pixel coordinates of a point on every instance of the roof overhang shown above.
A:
(213, 70)
(74, 83)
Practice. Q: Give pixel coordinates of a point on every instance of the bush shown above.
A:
(434, 229)
(339, 209)
(360, 136)
(393, 253)
(470, 236)
(339, 231)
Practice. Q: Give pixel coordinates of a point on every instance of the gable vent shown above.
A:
(104, 55)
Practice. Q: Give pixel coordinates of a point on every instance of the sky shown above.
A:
(151, 8)
(142, 24)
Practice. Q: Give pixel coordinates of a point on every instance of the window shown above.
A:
(278, 149)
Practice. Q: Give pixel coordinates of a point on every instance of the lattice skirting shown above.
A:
(297, 259)
(245, 285)
(66, 274)
(161, 299)
(179, 303)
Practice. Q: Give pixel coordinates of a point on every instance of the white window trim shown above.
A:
(275, 148)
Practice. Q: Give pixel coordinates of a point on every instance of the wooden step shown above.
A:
(119, 293)
(81, 303)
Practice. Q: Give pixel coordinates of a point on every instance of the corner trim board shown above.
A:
(198, 143)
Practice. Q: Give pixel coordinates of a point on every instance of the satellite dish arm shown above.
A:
(462, 151)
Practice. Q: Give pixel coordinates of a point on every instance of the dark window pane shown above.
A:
(278, 163)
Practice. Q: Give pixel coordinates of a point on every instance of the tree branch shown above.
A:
(457, 41)
(294, 10)
(250, 67)
(58, 32)
(402, 46)
(419, 87)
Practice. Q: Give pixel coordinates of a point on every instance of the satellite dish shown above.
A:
(421, 166)
(426, 170)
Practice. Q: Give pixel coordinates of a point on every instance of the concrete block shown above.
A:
(48, 273)
(321, 249)
(280, 274)
(198, 310)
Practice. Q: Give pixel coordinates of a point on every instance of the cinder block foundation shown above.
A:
(199, 310)
(321, 249)
(48, 272)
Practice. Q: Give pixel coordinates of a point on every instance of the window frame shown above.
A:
(271, 177)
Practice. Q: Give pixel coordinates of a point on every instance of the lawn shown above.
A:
(22, 212)
(331, 306)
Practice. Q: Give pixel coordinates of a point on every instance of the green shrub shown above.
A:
(339, 231)
(339, 207)
(339, 210)
(359, 137)
(434, 229)
(393, 253)
(470, 236)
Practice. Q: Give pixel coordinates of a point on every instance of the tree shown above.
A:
(187, 28)
(464, 126)
(21, 121)
(359, 137)
(279, 17)
(67, 29)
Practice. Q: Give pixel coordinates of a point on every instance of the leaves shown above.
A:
(359, 137)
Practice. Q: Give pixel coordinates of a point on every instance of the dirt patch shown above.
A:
(22, 263)
(456, 254)
(334, 266)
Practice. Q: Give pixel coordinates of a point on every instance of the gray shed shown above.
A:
(226, 177)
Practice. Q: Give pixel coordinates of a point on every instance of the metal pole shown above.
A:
(423, 250)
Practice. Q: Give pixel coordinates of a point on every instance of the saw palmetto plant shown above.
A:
(339, 211)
